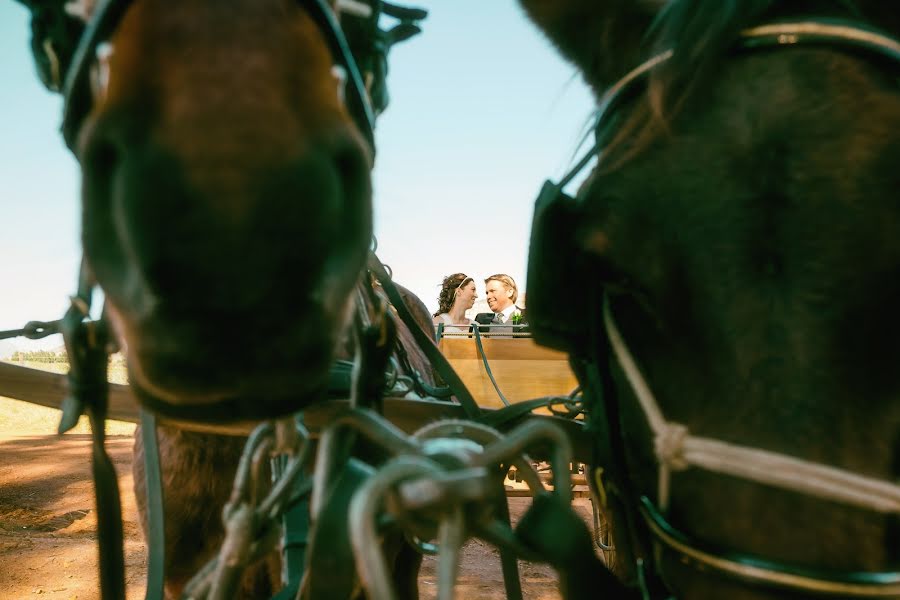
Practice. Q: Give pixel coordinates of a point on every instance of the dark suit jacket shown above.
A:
(485, 320)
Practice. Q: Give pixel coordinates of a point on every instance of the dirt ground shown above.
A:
(48, 523)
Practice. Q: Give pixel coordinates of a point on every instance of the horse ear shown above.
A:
(56, 26)
(603, 39)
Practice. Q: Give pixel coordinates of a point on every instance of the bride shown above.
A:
(457, 296)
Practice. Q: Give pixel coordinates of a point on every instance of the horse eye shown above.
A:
(340, 76)
(100, 71)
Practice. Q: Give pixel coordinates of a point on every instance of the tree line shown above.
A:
(50, 356)
(44, 356)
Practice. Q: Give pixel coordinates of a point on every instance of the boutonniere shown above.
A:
(517, 319)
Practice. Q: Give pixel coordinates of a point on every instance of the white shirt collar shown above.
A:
(508, 312)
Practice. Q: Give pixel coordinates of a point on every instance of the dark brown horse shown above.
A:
(221, 161)
(198, 471)
(744, 224)
(226, 152)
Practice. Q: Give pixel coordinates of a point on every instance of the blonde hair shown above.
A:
(506, 280)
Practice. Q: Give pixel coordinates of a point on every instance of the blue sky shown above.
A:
(482, 111)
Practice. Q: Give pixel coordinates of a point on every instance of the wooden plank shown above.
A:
(49, 389)
(523, 369)
(522, 348)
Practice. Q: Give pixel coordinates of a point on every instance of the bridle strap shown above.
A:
(357, 98)
(76, 92)
(676, 449)
(759, 570)
(810, 32)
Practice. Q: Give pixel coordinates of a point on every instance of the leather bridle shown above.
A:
(108, 13)
(602, 345)
(87, 381)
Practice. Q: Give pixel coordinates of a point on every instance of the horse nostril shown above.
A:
(351, 164)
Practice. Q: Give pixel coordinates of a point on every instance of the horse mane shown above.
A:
(700, 33)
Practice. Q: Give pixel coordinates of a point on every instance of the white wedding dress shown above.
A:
(449, 325)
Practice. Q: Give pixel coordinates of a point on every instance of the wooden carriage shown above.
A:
(522, 369)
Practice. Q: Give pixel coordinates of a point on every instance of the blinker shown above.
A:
(556, 262)
(556, 259)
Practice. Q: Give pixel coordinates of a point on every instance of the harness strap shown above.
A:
(602, 424)
(86, 345)
(425, 341)
(33, 330)
(88, 393)
(109, 511)
(156, 531)
(553, 530)
(375, 336)
(760, 570)
(513, 412)
(487, 366)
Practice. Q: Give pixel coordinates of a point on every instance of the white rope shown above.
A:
(676, 449)
(354, 8)
(82, 10)
(788, 33)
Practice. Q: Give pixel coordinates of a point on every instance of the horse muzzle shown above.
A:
(208, 367)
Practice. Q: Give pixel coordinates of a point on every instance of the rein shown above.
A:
(677, 450)
(674, 447)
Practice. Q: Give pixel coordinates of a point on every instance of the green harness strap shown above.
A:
(487, 366)
(426, 343)
(86, 345)
(156, 530)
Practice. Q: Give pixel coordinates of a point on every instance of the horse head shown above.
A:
(226, 192)
(743, 227)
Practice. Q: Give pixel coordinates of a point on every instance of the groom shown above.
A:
(501, 292)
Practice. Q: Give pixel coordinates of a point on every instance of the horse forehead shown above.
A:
(199, 53)
(231, 89)
(773, 152)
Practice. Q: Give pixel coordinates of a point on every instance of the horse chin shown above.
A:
(187, 377)
(227, 408)
(218, 396)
